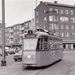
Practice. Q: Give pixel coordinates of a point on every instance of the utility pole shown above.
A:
(3, 62)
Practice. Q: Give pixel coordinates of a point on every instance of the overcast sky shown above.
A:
(18, 11)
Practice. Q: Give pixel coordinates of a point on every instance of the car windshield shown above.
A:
(30, 44)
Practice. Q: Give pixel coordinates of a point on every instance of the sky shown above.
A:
(19, 11)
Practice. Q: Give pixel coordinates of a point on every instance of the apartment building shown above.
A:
(57, 18)
(14, 34)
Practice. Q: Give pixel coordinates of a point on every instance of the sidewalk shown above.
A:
(10, 69)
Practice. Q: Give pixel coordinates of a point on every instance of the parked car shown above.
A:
(11, 51)
(18, 56)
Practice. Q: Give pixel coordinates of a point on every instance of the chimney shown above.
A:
(55, 2)
(41, 2)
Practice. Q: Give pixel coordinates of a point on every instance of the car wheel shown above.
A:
(15, 59)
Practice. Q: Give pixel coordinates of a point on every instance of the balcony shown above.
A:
(11, 30)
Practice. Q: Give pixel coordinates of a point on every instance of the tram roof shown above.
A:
(39, 34)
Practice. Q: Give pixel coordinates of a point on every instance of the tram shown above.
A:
(41, 48)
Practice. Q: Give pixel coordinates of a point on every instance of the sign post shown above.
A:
(2, 29)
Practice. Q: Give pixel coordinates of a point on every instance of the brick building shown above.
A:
(58, 18)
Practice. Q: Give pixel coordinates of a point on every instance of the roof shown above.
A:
(59, 4)
(56, 4)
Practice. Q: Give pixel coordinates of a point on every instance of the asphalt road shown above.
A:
(59, 68)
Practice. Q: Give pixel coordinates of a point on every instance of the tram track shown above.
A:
(30, 71)
(70, 70)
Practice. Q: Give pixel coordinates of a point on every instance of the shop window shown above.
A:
(74, 46)
(64, 46)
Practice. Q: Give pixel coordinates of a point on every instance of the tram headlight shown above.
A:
(29, 56)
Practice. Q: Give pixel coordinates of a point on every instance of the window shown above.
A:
(29, 45)
(44, 11)
(61, 11)
(37, 27)
(72, 27)
(56, 10)
(72, 34)
(67, 27)
(67, 34)
(44, 18)
(55, 26)
(72, 20)
(64, 46)
(14, 27)
(64, 19)
(71, 46)
(50, 9)
(50, 18)
(42, 44)
(71, 12)
(51, 26)
(37, 20)
(57, 33)
(62, 34)
(17, 32)
(44, 26)
(62, 26)
(26, 24)
(14, 33)
(17, 26)
(66, 11)
(29, 24)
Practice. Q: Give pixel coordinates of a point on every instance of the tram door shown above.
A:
(29, 51)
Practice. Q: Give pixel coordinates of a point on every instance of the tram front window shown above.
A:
(30, 44)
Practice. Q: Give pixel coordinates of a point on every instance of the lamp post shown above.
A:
(3, 62)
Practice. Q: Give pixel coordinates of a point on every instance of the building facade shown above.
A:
(14, 34)
(57, 18)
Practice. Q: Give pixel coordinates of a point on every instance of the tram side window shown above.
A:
(40, 45)
(46, 44)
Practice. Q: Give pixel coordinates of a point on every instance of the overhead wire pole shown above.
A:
(3, 62)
